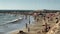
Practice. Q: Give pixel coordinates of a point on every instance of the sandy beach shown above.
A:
(38, 28)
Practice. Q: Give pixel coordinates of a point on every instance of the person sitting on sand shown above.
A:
(21, 32)
(46, 28)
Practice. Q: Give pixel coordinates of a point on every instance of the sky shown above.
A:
(29, 4)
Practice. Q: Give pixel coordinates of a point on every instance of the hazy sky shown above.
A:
(29, 4)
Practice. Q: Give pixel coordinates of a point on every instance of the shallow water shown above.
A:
(5, 28)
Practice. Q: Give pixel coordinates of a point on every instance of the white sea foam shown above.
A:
(14, 20)
(6, 22)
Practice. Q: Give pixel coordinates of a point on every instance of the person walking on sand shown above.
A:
(57, 20)
(28, 29)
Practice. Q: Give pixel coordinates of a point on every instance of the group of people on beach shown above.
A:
(50, 16)
(46, 25)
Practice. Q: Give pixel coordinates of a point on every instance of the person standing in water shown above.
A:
(26, 25)
(25, 16)
(29, 19)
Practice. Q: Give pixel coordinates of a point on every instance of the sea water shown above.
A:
(6, 25)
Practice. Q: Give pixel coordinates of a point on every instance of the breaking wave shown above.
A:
(12, 21)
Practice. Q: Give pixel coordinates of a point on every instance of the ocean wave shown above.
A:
(12, 21)
(15, 20)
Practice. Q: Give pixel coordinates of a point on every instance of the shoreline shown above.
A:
(23, 28)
